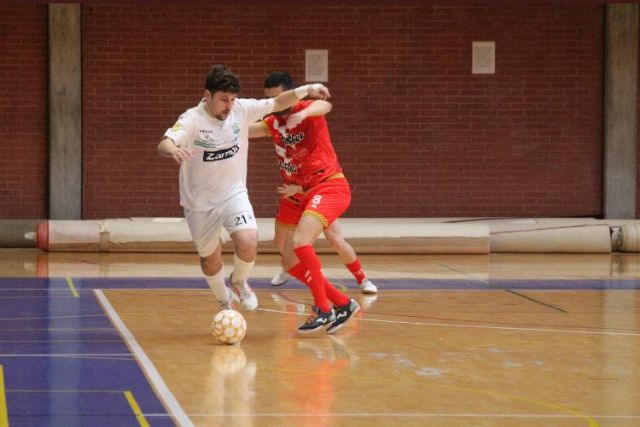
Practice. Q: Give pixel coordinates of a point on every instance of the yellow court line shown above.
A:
(4, 418)
(74, 291)
(136, 409)
(590, 421)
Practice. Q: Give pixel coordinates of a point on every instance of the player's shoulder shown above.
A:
(194, 112)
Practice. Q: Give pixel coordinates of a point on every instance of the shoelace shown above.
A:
(312, 317)
(243, 289)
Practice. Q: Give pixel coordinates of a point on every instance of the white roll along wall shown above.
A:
(366, 235)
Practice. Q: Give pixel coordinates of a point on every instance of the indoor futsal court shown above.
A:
(478, 157)
(499, 340)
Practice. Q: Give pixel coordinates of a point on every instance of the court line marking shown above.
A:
(165, 395)
(60, 341)
(536, 301)
(63, 390)
(401, 414)
(458, 325)
(4, 417)
(136, 409)
(119, 357)
(74, 291)
(13, 319)
(576, 414)
(487, 282)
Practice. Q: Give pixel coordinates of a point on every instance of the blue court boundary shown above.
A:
(16, 284)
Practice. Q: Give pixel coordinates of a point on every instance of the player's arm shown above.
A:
(288, 190)
(289, 98)
(316, 108)
(258, 130)
(168, 148)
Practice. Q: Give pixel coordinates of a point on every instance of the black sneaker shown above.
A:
(343, 314)
(317, 320)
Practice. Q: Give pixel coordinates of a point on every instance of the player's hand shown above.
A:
(318, 91)
(181, 154)
(294, 120)
(288, 190)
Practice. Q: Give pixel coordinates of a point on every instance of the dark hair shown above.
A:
(221, 79)
(277, 79)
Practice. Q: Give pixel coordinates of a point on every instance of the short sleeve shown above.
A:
(256, 109)
(180, 132)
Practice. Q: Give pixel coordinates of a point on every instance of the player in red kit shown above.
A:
(307, 161)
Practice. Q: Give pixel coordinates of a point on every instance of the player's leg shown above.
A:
(348, 256)
(323, 205)
(205, 230)
(240, 222)
(280, 233)
(286, 219)
(306, 233)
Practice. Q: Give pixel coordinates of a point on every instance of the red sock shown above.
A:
(310, 261)
(334, 295)
(299, 271)
(356, 269)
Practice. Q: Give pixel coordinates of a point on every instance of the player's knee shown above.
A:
(246, 249)
(299, 240)
(210, 265)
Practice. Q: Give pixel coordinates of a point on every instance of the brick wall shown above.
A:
(417, 134)
(23, 112)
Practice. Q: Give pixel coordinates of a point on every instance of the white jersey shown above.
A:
(218, 168)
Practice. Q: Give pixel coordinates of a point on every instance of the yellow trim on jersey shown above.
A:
(321, 219)
(334, 176)
(266, 126)
(287, 225)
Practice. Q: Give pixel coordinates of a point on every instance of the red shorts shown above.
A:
(325, 202)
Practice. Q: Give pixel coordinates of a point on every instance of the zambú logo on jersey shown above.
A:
(212, 156)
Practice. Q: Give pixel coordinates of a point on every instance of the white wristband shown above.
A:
(302, 91)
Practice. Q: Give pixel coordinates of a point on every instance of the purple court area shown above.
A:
(389, 284)
(65, 365)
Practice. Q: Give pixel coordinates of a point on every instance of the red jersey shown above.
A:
(306, 155)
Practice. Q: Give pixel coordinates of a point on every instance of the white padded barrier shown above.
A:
(366, 235)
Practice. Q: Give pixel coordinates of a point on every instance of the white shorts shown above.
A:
(235, 213)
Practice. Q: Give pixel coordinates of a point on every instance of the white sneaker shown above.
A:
(280, 278)
(226, 304)
(368, 287)
(244, 295)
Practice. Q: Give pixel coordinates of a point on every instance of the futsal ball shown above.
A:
(229, 326)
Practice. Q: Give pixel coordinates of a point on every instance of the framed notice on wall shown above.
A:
(316, 65)
(484, 58)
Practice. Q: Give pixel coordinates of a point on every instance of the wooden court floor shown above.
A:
(498, 340)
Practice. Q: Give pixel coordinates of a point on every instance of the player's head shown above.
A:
(276, 83)
(220, 90)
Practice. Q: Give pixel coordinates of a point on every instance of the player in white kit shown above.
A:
(210, 142)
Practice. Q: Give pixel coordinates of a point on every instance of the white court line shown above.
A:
(79, 316)
(398, 414)
(152, 374)
(65, 355)
(457, 325)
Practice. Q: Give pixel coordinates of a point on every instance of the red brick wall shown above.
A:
(417, 133)
(23, 112)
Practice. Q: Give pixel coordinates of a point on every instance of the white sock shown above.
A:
(241, 269)
(216, 283)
